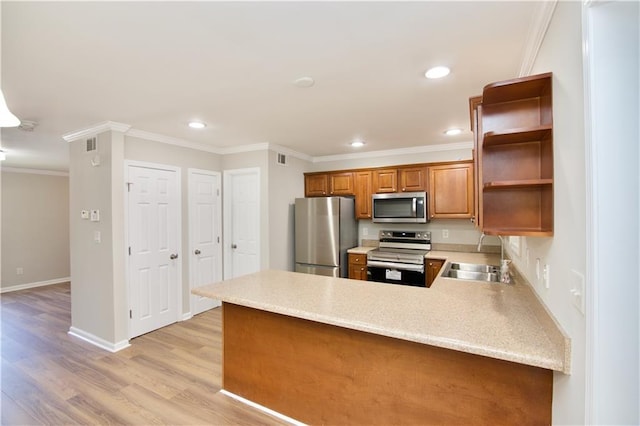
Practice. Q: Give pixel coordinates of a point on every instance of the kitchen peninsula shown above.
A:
(337, 351)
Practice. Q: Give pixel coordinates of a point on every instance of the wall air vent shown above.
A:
(92, 144)
(282, 159)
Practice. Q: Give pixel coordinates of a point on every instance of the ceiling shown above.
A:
(157, 65)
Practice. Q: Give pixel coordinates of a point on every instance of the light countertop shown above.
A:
(500, 321)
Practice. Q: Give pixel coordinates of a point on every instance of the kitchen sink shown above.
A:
(471, 271)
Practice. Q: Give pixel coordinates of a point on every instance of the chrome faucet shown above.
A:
(480, 241)
(501, 249)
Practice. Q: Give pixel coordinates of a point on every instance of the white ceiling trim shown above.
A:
(34, 171)
(290, 152)
(400, 151)
(267, 146)
(96, 129)
(172, 141)
(539, 25)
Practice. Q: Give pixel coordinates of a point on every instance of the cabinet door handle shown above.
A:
(197, 252)
(173, 256)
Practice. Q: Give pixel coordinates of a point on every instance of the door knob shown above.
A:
(234, 246)
(197, 251)
(173, 256)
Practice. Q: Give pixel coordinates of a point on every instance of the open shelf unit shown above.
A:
(516, 157)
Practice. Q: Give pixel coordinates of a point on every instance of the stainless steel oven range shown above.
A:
(400, 258)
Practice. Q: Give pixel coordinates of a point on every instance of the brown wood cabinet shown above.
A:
(316, 185)
(358, 266)
(515, 157)
(475, 106)
(385, 180)
(341, 183)
(412, 179)
(362, 190)
(432, 267)
(448, 184)
(328, 184)
(451, 191)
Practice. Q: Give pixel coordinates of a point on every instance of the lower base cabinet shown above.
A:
(325, 374)
(433, 266)
(358, 266)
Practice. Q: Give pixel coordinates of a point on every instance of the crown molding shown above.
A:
(96, 129)
(267, 147)
(290, 152)
(34, 171)
(155, 137)
(537, 30)
(400, 151)
(172, 141)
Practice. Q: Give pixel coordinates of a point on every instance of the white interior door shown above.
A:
(154, 244)
(205, 257)
(241, 222)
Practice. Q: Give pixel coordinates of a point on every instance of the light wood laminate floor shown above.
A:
(169, 376)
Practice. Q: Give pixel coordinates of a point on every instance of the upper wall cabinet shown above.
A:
(404, 179)
(515, 157)
(328, 184)
(451, 191)
(385, 180)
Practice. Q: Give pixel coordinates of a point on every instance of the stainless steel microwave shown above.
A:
(405, 207)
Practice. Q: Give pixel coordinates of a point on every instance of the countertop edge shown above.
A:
(541, 362)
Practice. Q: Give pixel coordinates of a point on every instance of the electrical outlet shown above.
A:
(546, 275)
(19, 271)
(577, 290)
(445, 233)
(97, 236)
(365, 231)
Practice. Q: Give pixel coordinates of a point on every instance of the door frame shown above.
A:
(190, 173)
(127, 268)
(227, 231)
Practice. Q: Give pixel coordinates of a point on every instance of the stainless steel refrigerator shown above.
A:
(325, 228)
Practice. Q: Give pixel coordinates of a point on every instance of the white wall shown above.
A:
(96, 268)
(612, 34)
(286, 183)
(424, 154)
(35, 229)
(561, 53)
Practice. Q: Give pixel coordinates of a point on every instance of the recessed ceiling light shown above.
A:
(357, 143)
(304, 82)
(452, 132)
(437, 72)
(197, 125)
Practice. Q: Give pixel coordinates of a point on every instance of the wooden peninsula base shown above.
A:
(324, 374)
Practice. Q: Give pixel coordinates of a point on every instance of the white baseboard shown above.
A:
(262, 408)
(98, 341)
(34, 285)
(186, 316)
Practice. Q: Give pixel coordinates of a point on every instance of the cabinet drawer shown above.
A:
(358, 259)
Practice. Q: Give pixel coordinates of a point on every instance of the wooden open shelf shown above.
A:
(516, 184)
(516, 157)
(522, 135)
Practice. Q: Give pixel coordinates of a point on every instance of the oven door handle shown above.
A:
(393, 265)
